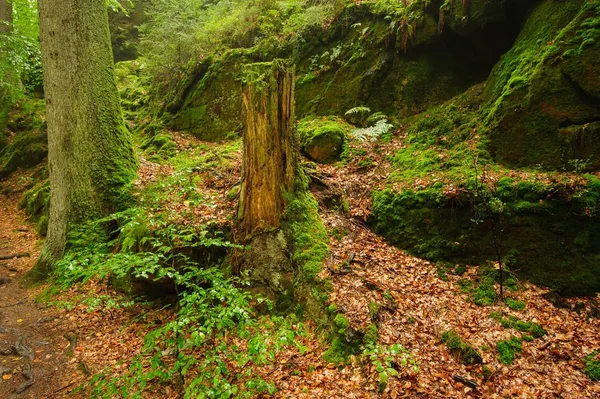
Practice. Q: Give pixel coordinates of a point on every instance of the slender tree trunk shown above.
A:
(6, 19)
(269, 172)
(6, 16)
(90, 154)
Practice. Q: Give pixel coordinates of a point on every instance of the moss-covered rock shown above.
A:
(322, 140)
(544, 95)
(464, 17)
(211, 106)
(27, 144)
(553, 233)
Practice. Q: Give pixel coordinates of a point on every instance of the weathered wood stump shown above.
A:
(269, 173)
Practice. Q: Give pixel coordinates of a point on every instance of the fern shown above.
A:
(372, 133)
(358, 115)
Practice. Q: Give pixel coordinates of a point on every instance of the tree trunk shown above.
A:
(6, 16)
(6, 19)
(269, 172)
(90, 155)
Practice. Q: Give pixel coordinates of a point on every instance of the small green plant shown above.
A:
(388, 360)
(374, 132)
(461, 349)
(508, 349)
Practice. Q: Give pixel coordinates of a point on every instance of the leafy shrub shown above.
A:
(194, 347)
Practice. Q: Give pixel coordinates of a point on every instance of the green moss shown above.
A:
(508, 349)
(322, 139)
(35, 200)
(592, 366)
(371, 335)
(461, 349)
(43, 226)
(338, 352)
(514, 304)
(530, 327)
(308, 233)
(341, 322)
(209, 106)
(374, 308)
(535, 111)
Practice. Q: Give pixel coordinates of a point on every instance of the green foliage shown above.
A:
(372, 133)
(460, 348)
(20, 57)
(181, 33)
(388, 360)
(192, 348)
(508, 349)
(592, 366)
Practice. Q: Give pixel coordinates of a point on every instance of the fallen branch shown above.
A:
(14, 256)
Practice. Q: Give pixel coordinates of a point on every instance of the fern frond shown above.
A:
(372, 133)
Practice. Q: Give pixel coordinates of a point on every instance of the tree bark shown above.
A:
(6, 16)
(269, 172)
(6, 20)
(90, 155)
(269, 151)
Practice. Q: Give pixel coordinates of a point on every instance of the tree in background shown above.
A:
(90, 155)
(6, 18)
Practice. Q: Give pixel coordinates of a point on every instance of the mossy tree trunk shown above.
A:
(269, 173)
(90, 154)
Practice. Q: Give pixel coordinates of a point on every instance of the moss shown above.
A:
(338, 352)
(436, 222)
(209, 107)
(461, 349)
(530, 327)
(42, 226)
(323, 139)
(159, 147)
(308, 234)
(371, 335)
(374, 308)
(35, 200)
(539, 101)
(592, 366)
(514, 304)
(508, 349)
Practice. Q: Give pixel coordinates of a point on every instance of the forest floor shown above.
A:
(63, 343)
(33, 335)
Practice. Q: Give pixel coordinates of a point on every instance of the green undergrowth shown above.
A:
(211, 308)
(482, 289)
(592, 366)
(509, 349)
(28, 145)
(460, 348)
(530, 329)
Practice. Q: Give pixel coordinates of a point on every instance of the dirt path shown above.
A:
(33, 349)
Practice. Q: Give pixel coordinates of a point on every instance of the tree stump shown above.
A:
(269, 173)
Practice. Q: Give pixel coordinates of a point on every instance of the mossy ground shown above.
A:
(461, 348)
